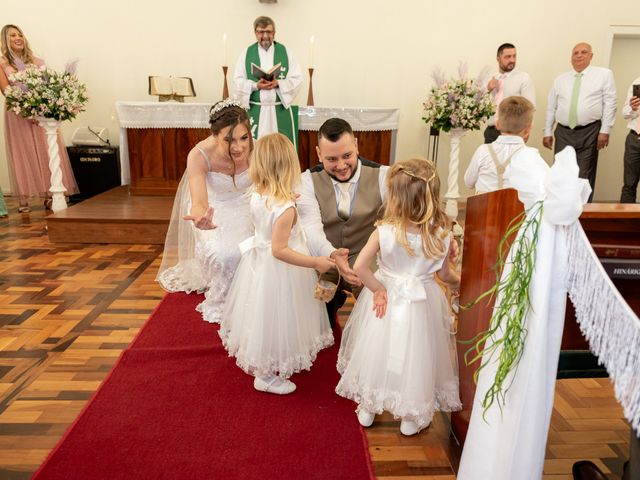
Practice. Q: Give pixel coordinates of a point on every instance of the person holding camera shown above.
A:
(631, 112)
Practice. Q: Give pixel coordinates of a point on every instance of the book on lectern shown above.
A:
(174, 86)
(267, 75)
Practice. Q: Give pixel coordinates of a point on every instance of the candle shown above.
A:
(224, 48)
(311, 42)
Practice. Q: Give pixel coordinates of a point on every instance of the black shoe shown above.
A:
(586, 470)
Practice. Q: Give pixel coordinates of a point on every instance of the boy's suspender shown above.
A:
(500, 167)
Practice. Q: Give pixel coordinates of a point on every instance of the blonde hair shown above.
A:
(413, 191)
(515, 114)
(27, 56)
(274, 167)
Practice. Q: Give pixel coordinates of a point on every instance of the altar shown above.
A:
(155, 138)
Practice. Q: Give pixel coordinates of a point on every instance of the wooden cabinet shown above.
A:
(158, 157)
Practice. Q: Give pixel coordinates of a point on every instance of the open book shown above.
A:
(174, 86)
(268, 75)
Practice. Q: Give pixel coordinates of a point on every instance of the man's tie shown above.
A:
(573, 107)
(344, 202)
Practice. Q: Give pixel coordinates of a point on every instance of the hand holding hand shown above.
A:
(547, 142)
(322, 264)
(341, 256)
(603, 140)
(380, 302)
(203, 222)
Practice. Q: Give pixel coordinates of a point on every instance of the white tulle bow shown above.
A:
(407, 287)
(559, 186)
(251, 243)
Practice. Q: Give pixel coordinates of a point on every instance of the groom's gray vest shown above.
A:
(354, 232)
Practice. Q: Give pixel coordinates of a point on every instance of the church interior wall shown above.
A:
(373, 53)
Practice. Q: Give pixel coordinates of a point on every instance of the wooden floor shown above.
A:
(68, 310)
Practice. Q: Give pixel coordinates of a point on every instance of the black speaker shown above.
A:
(97, 169)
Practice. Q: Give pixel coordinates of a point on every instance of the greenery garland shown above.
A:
(509, 315)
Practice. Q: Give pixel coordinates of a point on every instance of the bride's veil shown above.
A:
(180, 271)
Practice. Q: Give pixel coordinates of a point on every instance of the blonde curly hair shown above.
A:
(274, 167)
(27, 56)
(413, 197)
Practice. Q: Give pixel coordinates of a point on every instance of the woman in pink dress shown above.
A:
(27, 151)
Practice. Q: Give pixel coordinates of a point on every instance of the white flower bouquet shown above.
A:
(457, 103)
(43, 92)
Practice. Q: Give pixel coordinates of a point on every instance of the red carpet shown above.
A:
(177, 407)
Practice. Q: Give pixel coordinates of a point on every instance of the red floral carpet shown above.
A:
(177, 407)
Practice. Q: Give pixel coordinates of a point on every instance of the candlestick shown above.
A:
(225, 87)
(310, 96)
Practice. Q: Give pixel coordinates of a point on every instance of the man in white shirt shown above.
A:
(338, 204)
(631, 112)
(583, 104)
(506, 83)
(269, 101)
(489, 162)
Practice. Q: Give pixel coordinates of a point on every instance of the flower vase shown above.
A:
(57, 189)
(453, 191)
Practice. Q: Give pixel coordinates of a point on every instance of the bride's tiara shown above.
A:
(218, 107)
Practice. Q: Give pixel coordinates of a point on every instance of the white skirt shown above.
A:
(272, 323)
(404, 363)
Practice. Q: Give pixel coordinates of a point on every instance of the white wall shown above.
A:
(367, 53)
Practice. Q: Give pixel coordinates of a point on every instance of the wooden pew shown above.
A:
(614, 233)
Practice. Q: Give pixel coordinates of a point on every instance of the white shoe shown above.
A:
(409, 427)
(274, 385)
(365, 418)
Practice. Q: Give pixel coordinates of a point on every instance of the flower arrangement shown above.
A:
(457, 103)
(43, 92)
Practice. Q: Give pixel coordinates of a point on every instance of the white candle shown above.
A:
(311, 42)
(224, 48)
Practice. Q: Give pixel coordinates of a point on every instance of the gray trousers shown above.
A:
(631, 168)
(584, 139)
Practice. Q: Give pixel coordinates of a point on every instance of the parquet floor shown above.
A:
(67, 311)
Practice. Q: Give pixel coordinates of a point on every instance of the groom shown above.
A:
(338, 204)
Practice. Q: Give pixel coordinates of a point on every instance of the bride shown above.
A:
(211, 212)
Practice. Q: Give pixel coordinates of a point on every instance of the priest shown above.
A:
(269, 100)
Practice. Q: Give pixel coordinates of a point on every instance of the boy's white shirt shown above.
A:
(481, 173)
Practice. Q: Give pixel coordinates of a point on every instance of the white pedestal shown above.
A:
(57, 188)
(453, 191)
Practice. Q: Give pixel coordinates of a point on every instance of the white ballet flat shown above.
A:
(272, 386)
(409, 427)
(365, 418)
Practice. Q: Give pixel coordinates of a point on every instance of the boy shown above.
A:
(486, 170)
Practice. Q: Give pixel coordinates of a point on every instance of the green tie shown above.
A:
(573, 108)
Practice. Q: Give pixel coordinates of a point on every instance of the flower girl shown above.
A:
(272, 323)
(397, 351)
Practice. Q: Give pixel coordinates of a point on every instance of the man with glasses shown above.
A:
(582, 104)
(269, 100)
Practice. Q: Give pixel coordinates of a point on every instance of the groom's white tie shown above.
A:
(344, 200)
